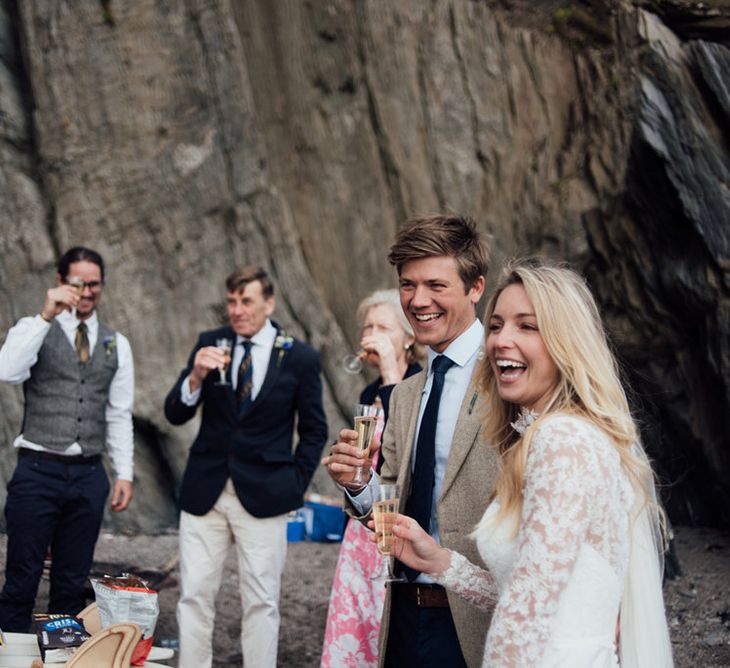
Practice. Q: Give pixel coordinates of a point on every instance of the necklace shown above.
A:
(524, 420)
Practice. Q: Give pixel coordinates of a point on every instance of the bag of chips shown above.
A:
(58, 635)
(128, 599)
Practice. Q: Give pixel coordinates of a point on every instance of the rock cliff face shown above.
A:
(182, 138)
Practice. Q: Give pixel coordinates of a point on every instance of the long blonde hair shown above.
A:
(589, 385)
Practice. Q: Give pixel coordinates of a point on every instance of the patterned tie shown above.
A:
(245, 377)
(420, 499)
(82, 343)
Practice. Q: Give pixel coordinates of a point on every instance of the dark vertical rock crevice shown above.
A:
(23, 139)
(387, 161)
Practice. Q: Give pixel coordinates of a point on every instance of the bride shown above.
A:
(572, 538)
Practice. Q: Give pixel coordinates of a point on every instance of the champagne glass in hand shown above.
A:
(366, 422)
(77, 283)
(224, 345)
(386, 499)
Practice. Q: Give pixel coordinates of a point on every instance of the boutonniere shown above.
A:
(110, 344)
(283, 343)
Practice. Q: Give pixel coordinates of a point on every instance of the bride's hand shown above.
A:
(415, 548)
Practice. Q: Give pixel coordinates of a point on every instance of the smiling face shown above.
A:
(525, 372)
(248, 309)
(435, 300)
(90, 274)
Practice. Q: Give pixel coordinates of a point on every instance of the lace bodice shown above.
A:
(559, 578)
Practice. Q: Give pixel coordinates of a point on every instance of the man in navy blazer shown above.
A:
(242, 477)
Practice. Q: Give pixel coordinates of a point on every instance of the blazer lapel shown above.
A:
(465, 432)
(413, 398)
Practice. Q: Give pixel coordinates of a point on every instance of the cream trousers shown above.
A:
(261, 551)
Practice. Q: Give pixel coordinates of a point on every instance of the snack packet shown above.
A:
(58, 635)
(128, 599)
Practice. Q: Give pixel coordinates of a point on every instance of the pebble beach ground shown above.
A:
(698, 602)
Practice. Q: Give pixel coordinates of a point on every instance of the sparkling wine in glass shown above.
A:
(224, 345)
(77, 283)
(385, 508)
(366, 423)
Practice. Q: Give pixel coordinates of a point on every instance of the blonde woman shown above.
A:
(570, 537)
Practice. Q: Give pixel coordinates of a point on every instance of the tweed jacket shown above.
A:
(468, 485)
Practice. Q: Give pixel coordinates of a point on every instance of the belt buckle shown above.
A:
(418, 595)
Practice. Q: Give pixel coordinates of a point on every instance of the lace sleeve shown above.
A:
(470, 582)
(561, 476)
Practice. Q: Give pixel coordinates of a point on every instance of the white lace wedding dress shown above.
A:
(560, 581)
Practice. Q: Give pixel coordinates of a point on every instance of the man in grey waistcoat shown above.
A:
(78, 383)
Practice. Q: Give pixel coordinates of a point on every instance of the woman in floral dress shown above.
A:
(356, 602)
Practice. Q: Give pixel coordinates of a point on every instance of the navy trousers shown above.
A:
(421, 637)
(57, 505)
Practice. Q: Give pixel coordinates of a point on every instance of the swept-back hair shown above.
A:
(589, 385)
(443, 235)
(79, 254)
(241, 277)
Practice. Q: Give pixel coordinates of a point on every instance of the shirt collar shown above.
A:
(463, 347)
(264, 337)
(69, 321)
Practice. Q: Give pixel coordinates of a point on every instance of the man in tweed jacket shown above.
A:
(441, 263)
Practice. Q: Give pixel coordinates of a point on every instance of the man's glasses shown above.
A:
(80, 284)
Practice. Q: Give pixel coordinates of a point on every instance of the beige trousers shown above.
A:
(261, 551)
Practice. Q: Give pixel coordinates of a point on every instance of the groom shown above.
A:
(432, 445)
(242, 477)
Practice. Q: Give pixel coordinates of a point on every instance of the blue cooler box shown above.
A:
(296, 527)
(324, 523)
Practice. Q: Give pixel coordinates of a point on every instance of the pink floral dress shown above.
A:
(356, 603)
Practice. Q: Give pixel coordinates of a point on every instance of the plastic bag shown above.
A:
(128, 599)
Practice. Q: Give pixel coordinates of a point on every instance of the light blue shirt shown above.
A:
(464, 352)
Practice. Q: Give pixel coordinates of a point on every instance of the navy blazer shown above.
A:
(254, 446)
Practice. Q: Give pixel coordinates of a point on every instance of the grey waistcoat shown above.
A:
(65, 402)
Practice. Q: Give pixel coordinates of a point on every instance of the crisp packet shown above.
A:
(58, 635)
(128, 599)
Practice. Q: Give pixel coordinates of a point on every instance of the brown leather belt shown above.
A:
(422, 595)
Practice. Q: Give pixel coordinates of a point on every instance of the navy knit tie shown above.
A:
(245, 377)
(420, 499)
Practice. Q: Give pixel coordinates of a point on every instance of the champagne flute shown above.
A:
(366, 422)
(77, 283)
(224, 345)
(352, 363)
(385, 508)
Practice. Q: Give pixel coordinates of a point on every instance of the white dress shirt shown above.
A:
(20, 352)
(464, 352)
(262, 345)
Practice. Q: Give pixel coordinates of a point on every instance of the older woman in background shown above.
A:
(356, 602)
